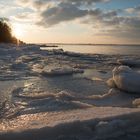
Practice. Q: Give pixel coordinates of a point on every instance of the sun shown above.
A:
(17, 31)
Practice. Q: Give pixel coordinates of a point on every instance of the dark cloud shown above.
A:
(60, 13)
(68, 11)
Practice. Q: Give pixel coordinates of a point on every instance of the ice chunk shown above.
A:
(60, 71)
(37, 68)
(26, 58)
(129, 62)
(30, 47)
(105, 129)
(125, 79)
(19, 66)
(63, 95)
(110, 93)
(136, 102)
(111, 83)
(58, 51)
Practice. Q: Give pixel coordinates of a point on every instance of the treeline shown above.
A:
(6, 33)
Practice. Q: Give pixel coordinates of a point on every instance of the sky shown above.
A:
(74, 21)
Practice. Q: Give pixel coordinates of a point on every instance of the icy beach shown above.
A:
(56, 94)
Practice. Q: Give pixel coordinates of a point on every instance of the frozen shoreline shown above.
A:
(57, 89)
(94, 123)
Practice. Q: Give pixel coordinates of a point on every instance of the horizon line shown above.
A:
(87, 44)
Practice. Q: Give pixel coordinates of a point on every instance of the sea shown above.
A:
(101, 49)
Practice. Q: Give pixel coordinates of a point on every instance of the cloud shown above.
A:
(5, 9)
(38, 4)
(33, 4)
(60, 13)
(25, 17)
(83, 2)
(68, 11)
(50, 13)
(134, 10)
(22, 2)
(121, 27)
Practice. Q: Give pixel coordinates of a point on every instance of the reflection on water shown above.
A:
(102, 49)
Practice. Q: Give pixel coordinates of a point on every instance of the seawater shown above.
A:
(103, 49)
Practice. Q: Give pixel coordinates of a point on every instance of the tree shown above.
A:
(6, 33)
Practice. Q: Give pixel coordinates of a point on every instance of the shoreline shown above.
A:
(56, 89)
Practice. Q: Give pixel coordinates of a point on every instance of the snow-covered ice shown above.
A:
(124, 78)
(94, 123)
(54, 94)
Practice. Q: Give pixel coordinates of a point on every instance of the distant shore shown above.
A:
(89, 44)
